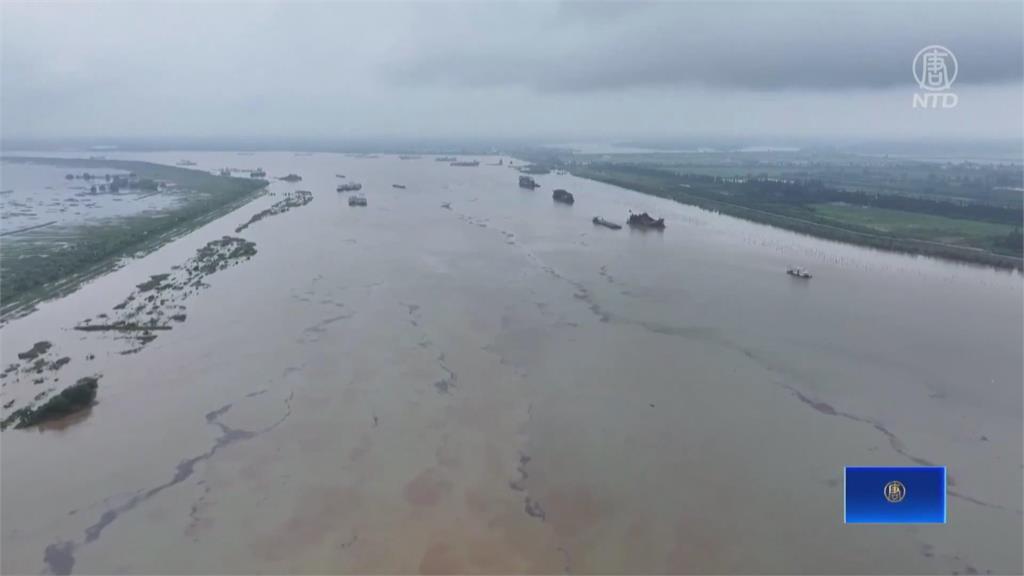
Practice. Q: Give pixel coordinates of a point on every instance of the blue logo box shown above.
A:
(895, 495)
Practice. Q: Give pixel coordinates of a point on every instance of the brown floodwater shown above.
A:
(501, 386)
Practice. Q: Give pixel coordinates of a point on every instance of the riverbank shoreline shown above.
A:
(950, 252)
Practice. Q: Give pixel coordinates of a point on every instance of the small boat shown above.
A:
(799, 273)
(356, 201)
(563, 196)
(399, 186)
(528, 182)
(339, 175)
(291, 178)
(446, 159)
(644, 220)
(350, 187)
(470, 163)
(607, 224)
(446, 205)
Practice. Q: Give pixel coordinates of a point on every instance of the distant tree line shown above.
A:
(790, 205)
(755, 191)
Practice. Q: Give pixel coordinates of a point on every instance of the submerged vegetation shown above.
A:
(37, 349)
(159, 301)
(39, 267)
(78, 396)
(291, 200)
(154, 306)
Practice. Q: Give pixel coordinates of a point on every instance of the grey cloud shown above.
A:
(485, 69)
(761, 46)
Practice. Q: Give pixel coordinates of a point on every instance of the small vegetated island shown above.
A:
(78, 396)
(48, 262)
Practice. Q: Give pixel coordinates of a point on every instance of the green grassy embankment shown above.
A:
(962, 239)
(41, 264)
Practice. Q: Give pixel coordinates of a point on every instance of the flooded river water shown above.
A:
(501, 386)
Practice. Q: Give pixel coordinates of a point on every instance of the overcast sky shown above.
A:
(546, 70)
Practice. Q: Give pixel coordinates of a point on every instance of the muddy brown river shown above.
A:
(500, 386)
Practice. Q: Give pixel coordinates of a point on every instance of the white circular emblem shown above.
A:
(935, 68)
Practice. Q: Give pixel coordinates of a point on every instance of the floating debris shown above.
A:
(519, 484)
(534, 509)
